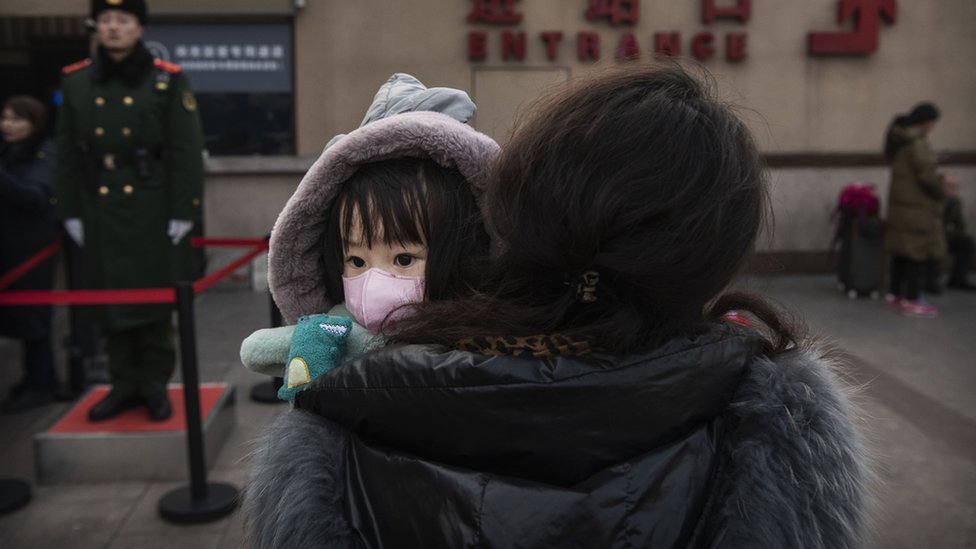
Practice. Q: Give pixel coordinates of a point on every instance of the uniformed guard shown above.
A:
(129, 189)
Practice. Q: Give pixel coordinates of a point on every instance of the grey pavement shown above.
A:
(916, 376)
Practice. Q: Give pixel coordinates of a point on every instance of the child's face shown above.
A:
(395, 259)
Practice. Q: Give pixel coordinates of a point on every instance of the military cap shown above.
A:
(135, 7)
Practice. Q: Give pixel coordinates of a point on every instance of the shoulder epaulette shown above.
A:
(171, 68)
(74, 67)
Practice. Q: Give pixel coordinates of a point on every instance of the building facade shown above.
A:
(817, 81)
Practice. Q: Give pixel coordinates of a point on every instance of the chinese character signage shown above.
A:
(866, 15)
(500, 31)
(227, 58)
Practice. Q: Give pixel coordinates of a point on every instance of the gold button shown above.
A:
(99, 101)
(128, 101)
(126, 132)
(99, 131)
(103, 190)
(196, 201)
(127, 189)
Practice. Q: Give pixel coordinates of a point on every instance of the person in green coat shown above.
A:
(914, 234)
(129, 190)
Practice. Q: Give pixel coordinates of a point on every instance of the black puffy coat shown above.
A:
(27, 225)
(704, 442)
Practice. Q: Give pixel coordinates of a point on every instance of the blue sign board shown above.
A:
(227, 58)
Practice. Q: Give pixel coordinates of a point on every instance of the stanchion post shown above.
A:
(200, 502)
(267, 391)
(191, 390)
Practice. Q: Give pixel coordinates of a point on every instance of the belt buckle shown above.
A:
(108, 161)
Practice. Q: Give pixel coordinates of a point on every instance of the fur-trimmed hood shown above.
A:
(705, 442)
(399, 123)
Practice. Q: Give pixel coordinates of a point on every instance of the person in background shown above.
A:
(914, 233)
(960, 243)
(27, 225)
(129, 189)
(595, 392)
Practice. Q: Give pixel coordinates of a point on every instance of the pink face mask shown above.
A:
(372, 295)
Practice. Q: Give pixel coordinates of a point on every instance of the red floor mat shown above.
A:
(136, 420)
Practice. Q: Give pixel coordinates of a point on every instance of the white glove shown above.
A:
(75, 229)
(178, 229)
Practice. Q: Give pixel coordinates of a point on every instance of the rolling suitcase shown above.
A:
(860, 262)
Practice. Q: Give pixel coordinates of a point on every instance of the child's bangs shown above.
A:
(389, 199)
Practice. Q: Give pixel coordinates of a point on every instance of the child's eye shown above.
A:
(356, 262)
(403, 260)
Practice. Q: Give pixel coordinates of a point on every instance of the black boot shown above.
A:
(159, 406)
(112, 405)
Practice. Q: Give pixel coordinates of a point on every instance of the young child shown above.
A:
(386, 217)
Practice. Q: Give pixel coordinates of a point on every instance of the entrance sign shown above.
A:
(512, 43)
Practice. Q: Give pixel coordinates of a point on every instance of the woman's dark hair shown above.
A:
(33, 110)
(412, 200)
(892, 142)
(638, 174)
(920, 114)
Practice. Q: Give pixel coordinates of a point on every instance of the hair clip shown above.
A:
(586, 287)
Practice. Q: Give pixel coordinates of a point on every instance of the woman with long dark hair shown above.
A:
(27, 225)
(595, 392)
(914, 231)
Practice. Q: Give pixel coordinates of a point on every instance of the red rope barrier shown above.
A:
(117, 297)
(207, 282)
(20, 270)
(201, 242)
(88, 297)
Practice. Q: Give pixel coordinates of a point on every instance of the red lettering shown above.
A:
(552, 40)
(588, 46)
(741, 11)
(477, 46)
(667, 44)
(513, 45)
(735, 46)
(628, 48)
(494, 11)
(701, 46)
(617, 11)
(864, 38)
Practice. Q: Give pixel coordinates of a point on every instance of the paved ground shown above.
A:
(919, 379)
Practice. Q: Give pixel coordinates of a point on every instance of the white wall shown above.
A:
(804, 201)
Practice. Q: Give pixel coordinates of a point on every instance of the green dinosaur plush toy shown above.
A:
(301, 353)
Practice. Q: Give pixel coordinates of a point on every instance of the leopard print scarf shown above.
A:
(535, 346)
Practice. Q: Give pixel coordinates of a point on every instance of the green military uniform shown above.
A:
(130, 146)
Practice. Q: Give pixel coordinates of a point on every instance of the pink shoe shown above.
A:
(918, 309)
(893, 300)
